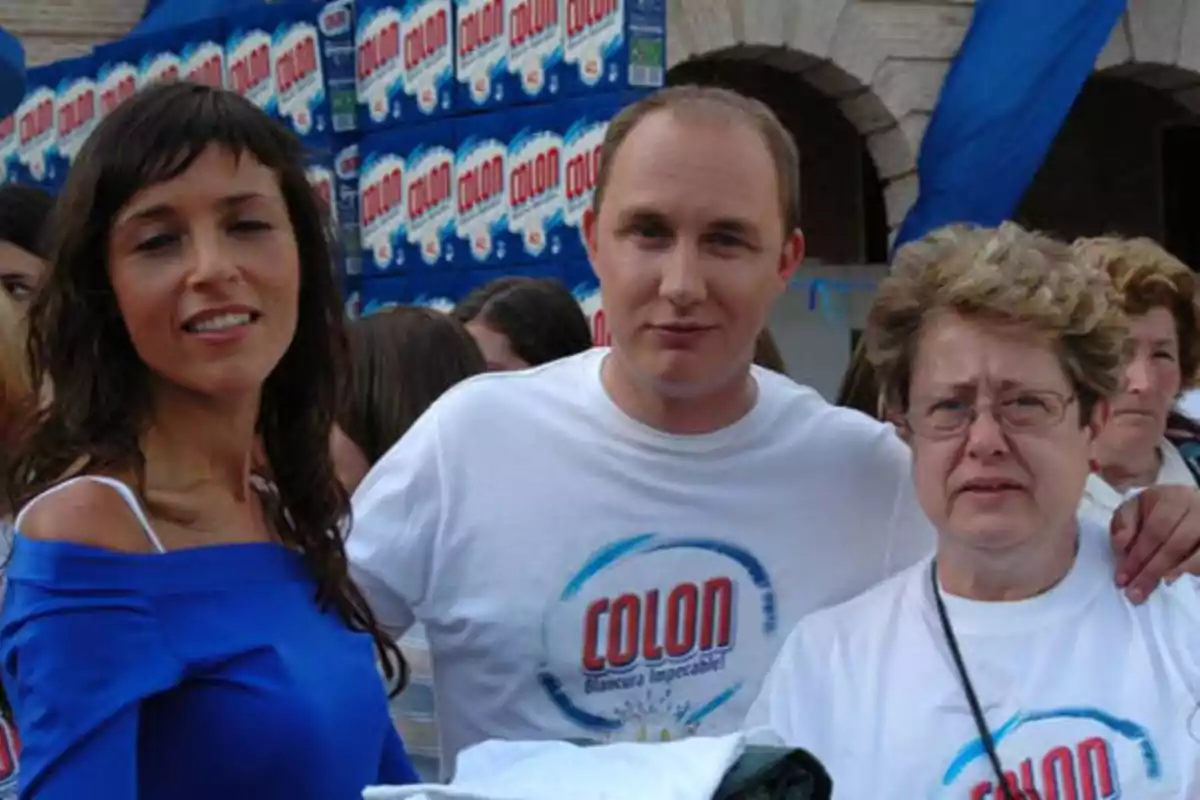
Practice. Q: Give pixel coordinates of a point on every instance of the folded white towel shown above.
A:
(688, 769)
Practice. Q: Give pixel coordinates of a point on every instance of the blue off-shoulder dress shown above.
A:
(202, 673)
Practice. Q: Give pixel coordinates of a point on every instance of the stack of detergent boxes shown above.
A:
(481, 125)
(294, 59)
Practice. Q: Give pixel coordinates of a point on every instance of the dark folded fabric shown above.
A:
(776, 773)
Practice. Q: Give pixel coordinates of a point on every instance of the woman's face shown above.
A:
(496, 348)
(1152, 382)
(349, 463)
(206, 273)
(20, 273)
(1017, 471)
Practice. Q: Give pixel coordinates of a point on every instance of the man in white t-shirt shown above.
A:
(612, 546)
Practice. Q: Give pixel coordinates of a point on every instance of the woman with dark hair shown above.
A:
(175, 625)
(401, 360)
(24, 212)
(522, 322)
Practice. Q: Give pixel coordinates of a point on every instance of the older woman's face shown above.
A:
(1018, 469)
(1152, 382)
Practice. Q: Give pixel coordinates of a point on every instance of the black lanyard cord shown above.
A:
(985, 735)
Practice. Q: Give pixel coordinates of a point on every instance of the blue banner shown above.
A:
(12, 72)
(1016, 76)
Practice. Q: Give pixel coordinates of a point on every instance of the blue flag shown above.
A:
(1019, 70)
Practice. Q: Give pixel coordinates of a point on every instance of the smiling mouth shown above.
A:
(222, 322)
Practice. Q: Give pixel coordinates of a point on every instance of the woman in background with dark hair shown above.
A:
(522, 322)
(176, 626)
(401, 360)
(24, 213)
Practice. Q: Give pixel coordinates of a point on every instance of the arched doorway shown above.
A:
(1126, 161)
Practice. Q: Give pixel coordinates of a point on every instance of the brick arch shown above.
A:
(882, 62)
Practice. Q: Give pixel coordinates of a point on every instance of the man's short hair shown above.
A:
(712, 102)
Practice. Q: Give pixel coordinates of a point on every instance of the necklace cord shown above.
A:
(985, 734)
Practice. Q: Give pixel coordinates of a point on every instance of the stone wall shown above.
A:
(56, 29)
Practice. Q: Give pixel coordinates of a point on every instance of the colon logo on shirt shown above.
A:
(1064, 754)
(654, 634)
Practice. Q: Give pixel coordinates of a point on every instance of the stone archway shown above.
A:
(881, 62)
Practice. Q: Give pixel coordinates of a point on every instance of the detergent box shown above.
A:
(383, 171)
(248, 64)
(580, 278)
(481, 54)
(312, 57)
(118, 72)
(8, 148)
(381, 293)
(535, 49)
(536, 199)
(297, 66)
(345, 184)
(76, 108)
(37, 131)
(335, 21)
(202, 52)
(405, 61)
(160, 61)
(319, 171)
(583, 140)
(481, 202)
(429, 202)
(614, 44)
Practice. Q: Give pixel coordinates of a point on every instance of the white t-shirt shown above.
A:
(582, 576)
(1101, 500)
(1087, 695)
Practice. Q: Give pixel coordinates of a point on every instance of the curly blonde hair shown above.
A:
(1009, 275)
(1148, 277)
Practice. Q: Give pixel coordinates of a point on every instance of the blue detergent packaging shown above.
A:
(482, 77)
(202, 52)
(536, 201)
(536, 39)
(381, 200)
(248, 64)
(118, 72)
(405, 61)
(613, 45)
(76, 109)
(37, 131)
(481, 202)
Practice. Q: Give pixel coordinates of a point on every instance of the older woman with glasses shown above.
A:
(1008, 665)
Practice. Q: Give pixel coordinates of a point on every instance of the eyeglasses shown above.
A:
(1018, 412)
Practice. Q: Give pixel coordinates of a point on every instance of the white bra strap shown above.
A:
(120, 488)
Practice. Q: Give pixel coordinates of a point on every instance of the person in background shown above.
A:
(522, 322)
(24, 217)
(401, 360)
(1146, 440)
(860, 389)
(766, 353)
(613, 546)
(1008, 665)
(175, 625)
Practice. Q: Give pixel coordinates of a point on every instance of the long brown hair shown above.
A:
(401, 360)
(79, 342)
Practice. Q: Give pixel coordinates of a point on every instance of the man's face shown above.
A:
(690, 249)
